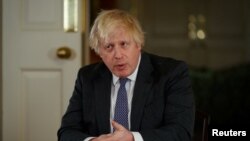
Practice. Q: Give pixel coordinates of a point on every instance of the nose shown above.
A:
(117, 53)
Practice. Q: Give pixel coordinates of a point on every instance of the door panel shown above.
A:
(41, 104)
(45, 14)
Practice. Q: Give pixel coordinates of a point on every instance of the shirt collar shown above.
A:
(131, 77)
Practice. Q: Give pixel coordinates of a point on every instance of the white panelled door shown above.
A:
(36, 83)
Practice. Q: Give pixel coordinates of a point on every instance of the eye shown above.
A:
(108, 47)
(124, 44)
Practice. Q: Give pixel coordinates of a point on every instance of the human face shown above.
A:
(120, 52)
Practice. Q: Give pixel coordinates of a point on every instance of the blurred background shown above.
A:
(40, 56)
(213, 37)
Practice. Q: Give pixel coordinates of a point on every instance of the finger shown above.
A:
(103, 137)
(117, 126)
(109, 135)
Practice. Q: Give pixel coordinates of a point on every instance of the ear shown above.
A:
(99, 53)
(139, 46)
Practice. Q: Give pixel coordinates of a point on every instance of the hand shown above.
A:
(120, 134)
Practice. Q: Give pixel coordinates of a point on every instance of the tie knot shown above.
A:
(123, 81)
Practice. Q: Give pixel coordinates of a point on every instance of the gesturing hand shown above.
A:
(120, 134)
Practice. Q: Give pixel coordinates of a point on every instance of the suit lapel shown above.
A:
(143, 84)
(102, 100)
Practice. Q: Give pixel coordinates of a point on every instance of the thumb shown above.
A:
(117, 126)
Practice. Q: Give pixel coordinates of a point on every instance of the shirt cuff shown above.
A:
(137, 136)
(88, 138)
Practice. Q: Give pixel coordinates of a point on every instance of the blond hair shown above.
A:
(108, 20)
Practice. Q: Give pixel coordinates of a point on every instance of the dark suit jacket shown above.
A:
(162, 104)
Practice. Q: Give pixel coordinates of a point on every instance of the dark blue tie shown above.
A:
(121, 106)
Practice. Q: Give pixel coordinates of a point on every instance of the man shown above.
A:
(153, 103)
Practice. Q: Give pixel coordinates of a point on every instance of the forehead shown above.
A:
(117, 34)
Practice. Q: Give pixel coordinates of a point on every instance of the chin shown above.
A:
(122, 74)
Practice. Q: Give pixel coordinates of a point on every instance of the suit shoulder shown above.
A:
(166, 63)
(91, 70)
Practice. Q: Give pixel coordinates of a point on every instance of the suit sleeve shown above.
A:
(72, 128)
(179, 108)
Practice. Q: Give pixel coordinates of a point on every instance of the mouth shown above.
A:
(120, 67)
